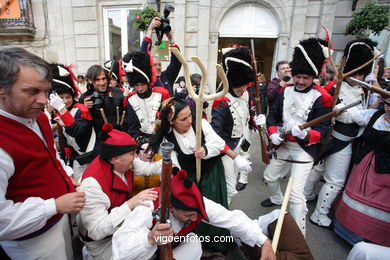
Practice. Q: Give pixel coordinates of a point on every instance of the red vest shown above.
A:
(185, 230)
(38, 173)
(112, 185)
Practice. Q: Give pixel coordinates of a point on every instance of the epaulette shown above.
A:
(163, 91)
(327, 98)
(84, 111)
(223, 100)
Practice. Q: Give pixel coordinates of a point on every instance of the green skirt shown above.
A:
(213, 186)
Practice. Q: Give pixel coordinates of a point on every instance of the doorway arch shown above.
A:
(249, 21)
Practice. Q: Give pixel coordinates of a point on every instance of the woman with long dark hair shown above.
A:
(178, 127)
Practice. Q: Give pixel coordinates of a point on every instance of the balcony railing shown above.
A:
(23, 26)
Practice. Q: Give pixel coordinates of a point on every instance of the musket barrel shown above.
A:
(372, 87)
(166, 150)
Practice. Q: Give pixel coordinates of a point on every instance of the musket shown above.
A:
(371, 87)
(340, 78)
(322, 118)
(165, 195)
(264, 150)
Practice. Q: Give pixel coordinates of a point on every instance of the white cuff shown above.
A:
(50, 208)
(262, 239)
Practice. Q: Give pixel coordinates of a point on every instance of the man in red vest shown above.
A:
(35, 187)
(108, 184)
(140, 235)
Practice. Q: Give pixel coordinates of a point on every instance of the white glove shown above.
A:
(126, 92)
(260, 119)
(297, 132)
(276, 139)
(267, 219)
(56, 102)
(339, 105)
(370, 78)
(243, 164)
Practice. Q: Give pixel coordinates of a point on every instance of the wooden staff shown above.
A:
(264, 151)
(117, 115)
(103, 116)
(123, 117)
(283, 209)
(201, 97)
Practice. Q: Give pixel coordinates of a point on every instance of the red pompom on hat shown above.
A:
(186, 195)
(115, 142)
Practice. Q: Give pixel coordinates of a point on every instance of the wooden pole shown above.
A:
(201, 97)
(283, 209)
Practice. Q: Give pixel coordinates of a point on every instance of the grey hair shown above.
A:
(11, 58)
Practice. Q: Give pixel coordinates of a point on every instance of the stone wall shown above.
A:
(72, 32)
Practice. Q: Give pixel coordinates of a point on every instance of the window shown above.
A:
(16, 18)
(120, 36)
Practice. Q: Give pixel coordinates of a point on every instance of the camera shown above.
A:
(286, 78)
(97, 98)
(165, 26)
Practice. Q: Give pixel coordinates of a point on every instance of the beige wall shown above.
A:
(71, 31)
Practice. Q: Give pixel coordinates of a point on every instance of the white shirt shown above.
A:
(187, 142)
(130, 240)
(348, 95)
(95, 217)
(146, 168)
(22, 218)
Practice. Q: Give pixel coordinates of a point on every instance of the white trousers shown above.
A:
(315, 175)
(78, 170)
(55, 243)
(368, 251)
(337, 165)
(336, 170)
(277, 169)
(100, 249)
(231, 172)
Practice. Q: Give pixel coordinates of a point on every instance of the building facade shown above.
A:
(87, 32)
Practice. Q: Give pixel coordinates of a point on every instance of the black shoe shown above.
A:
(240, 186)
(268, 203)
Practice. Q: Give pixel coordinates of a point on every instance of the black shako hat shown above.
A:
(237, 65)
(357, 53)
(138, 68)
(62, 81)
(309, 57)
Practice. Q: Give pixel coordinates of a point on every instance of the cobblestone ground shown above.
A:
(324, 243)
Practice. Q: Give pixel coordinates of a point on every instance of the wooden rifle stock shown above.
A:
(165, 195)
(323, 118)
(264, 150)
